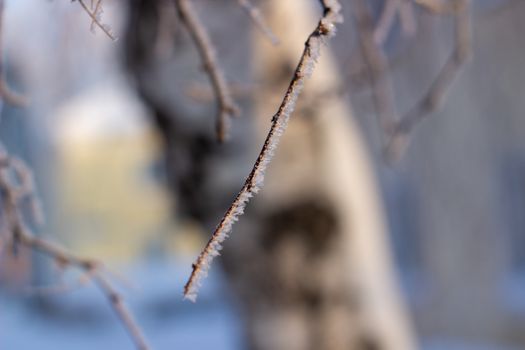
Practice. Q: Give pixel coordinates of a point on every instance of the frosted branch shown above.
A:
(325, 28)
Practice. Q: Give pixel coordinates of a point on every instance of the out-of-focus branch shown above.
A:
(407, 17)
(95, 18)
(324, 29)
(203, 93)
(62, 287)
(258, 20)
(434, 97)
(97, 11)
(16, 185)
(440, 7)
(377, 66)
(386, 21)
(226, 106)
(391, 9)
(6, 93)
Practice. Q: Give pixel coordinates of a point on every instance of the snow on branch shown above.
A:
(226, 106)
(325, 28)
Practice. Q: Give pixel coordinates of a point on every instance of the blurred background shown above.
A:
(340, 250)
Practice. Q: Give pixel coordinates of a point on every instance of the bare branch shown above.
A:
(95, 18)
(377, 66)
(388, 15)
(97, 12)
(440, 7)
(226, 106)
(386, 21)
(407, 17)
(12, 192)
(62, 287)
(26, 188)
(203, 93)
(254, 181)
(434, 97)
(6, 94)
(258, 20)
(122, 311)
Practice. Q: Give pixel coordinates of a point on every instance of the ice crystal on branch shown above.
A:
(254, 181)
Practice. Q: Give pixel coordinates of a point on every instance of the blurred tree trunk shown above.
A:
(310, 261)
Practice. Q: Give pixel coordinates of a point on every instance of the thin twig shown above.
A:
(386, 21)
(407, 17)
(226, 106)
(122, 311)
(6, 94)
(17, 184)
(11, 195)
(62, 287)
(96, 20)
(439, 7)
(258, 20)
(436, 94)
(252, 184)
(203, 93)
(97, 12)
(384, 25)
(377, 66)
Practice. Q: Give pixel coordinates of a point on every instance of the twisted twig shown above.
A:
(325, 28)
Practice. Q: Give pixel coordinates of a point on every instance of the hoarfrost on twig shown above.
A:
(254, 181)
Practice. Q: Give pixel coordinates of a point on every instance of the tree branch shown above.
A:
(95, 18)
(226, 106)
(16, 184)
(386, 21)
(6, 93)
(258, 20)
(325, 28)
(436, 94)
(377, 66)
